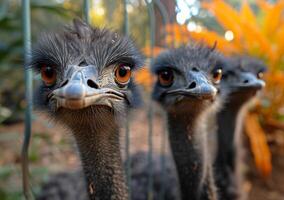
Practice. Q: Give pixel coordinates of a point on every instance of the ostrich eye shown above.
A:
(122, 74)
(166, 78)
(260, 75)
(48, 75)
(217, 75)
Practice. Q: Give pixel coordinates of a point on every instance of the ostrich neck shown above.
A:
(98, 144)
(229, 122)
(187, 145)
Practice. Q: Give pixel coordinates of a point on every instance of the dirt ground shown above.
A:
(52, 150)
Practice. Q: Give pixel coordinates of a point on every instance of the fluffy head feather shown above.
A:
(81, 45)
(192, 67)
(187, 57)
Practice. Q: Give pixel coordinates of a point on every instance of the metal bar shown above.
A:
(125, 15)
(163, 161)
(173, 43)
(165, 18)
(87, 11)
(127, 133)
(163, 11)
(28, 95)
(150, 9)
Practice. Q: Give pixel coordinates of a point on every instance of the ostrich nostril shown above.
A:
(246, 81)
(195, 69)
(192, 85)
(83, 63)
(92, 84)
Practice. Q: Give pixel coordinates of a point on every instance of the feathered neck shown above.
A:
(188, 141)
(98, 144)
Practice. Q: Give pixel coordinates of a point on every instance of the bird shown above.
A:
(88, 87)
(55, 58)
(241, 80)
(186, 88)
(62, 183)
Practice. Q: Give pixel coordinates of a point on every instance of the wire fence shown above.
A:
(28, 95)
(152, 6)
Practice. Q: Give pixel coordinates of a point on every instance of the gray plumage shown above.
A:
(79, 66)
(188, 101)
(71, 185)
(240, 82)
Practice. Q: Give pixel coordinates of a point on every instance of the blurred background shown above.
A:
(252, 27)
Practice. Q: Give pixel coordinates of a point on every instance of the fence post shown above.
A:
(150, 9)
(125, 16)
(165, 18)
(28, 96)
(127, 132)
(87, 11)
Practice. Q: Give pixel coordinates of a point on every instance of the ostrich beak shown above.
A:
(80, 90)
(199, 88)
(249, 81)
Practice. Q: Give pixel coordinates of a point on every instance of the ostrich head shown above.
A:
(85, 73)
(187, 78)
(242, 79)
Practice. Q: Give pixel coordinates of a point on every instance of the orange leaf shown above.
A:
(264, 5)
(247, 14)
(259, 146)
(279, 40)
(210, 37)
(273, 18)
(257, 40)
(226, 16)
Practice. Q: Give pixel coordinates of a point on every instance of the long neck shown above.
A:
(98, 145)
(228, 178)
(229, 121)
(188, 150)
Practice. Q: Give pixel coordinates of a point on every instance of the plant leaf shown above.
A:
(259, 146)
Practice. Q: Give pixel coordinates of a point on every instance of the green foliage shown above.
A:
(6, 192)
(138, 19)
(12, 190)
(12, 102)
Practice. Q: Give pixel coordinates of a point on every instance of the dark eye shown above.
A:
(217, 75)
(260, 75)
(48, 75)
(122, 74)
(166, 78)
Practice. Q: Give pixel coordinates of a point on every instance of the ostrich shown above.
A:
(87, 86)
(186, 79)
(104, 51)
(241, 80)
(66, 185)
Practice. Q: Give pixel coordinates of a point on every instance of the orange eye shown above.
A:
(122, 74)
(217, 75)
(48, 75)
(166, 78)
